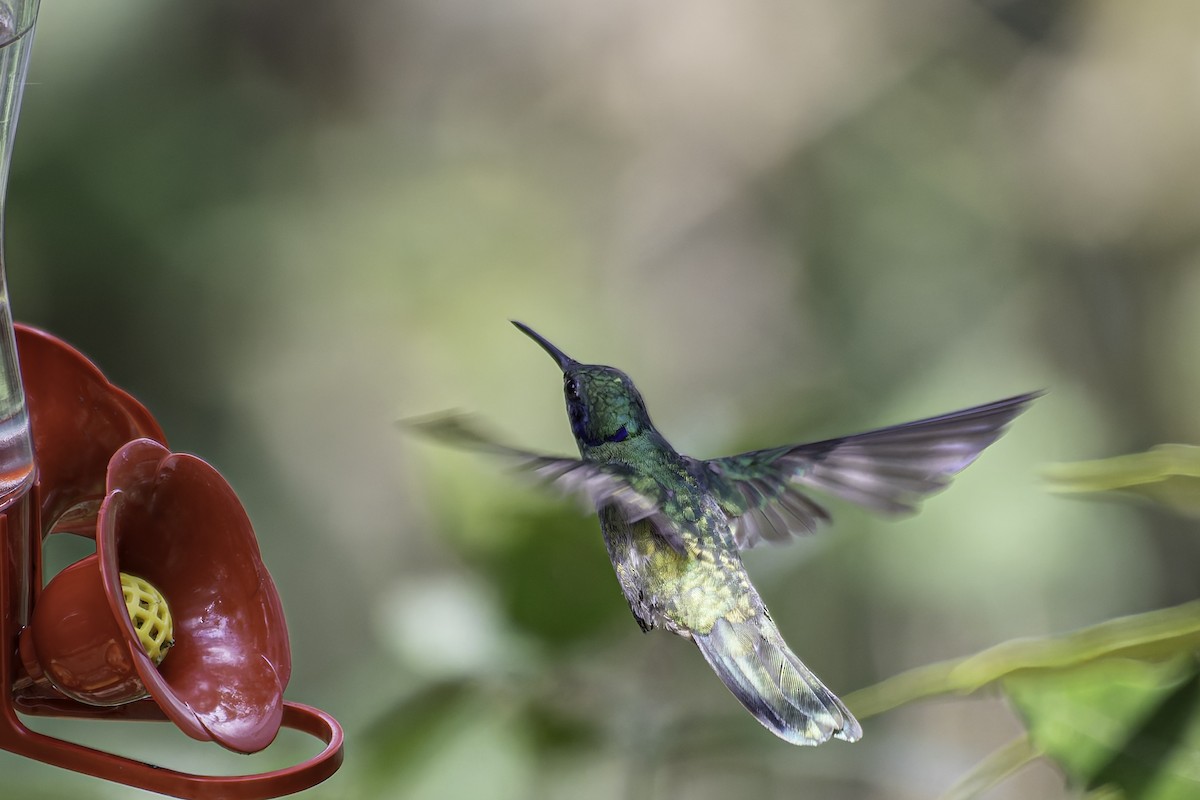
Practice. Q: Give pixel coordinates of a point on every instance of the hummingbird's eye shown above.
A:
(573, 388)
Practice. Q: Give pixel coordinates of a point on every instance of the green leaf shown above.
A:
(1115, 705)
(1153, 636)
(1168, 474)
(1116, 722)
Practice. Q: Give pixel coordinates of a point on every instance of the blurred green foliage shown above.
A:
(283, 226)
(1113, 705)
(1168, 474)
(568, 601)
(1116, 726)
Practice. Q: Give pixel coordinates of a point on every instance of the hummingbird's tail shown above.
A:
(764, 674)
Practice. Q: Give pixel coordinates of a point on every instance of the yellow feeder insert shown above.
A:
(150, 616)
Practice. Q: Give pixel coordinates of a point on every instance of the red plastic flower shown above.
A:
(172, 519)
(168, 518)
(78, 420)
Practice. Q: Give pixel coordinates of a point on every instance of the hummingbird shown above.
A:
(674, 526)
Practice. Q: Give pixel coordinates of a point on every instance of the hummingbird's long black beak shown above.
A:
(565, 362)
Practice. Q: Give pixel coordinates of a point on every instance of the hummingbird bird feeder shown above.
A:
(174, 617)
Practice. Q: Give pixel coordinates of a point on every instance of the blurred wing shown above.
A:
(596, 485)
(890, 470)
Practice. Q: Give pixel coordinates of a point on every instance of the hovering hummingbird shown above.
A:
(674, 525)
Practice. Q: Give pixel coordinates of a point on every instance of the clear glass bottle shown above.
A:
(17, 18)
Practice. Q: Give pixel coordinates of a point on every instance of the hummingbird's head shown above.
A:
(603, 404)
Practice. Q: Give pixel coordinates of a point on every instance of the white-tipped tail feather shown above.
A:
(771, 682)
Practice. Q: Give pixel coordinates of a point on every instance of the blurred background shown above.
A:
(285, 225)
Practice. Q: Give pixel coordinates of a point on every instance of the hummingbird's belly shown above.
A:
(682, 592)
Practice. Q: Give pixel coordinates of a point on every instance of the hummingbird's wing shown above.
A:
(597, 485)
(889, 470)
